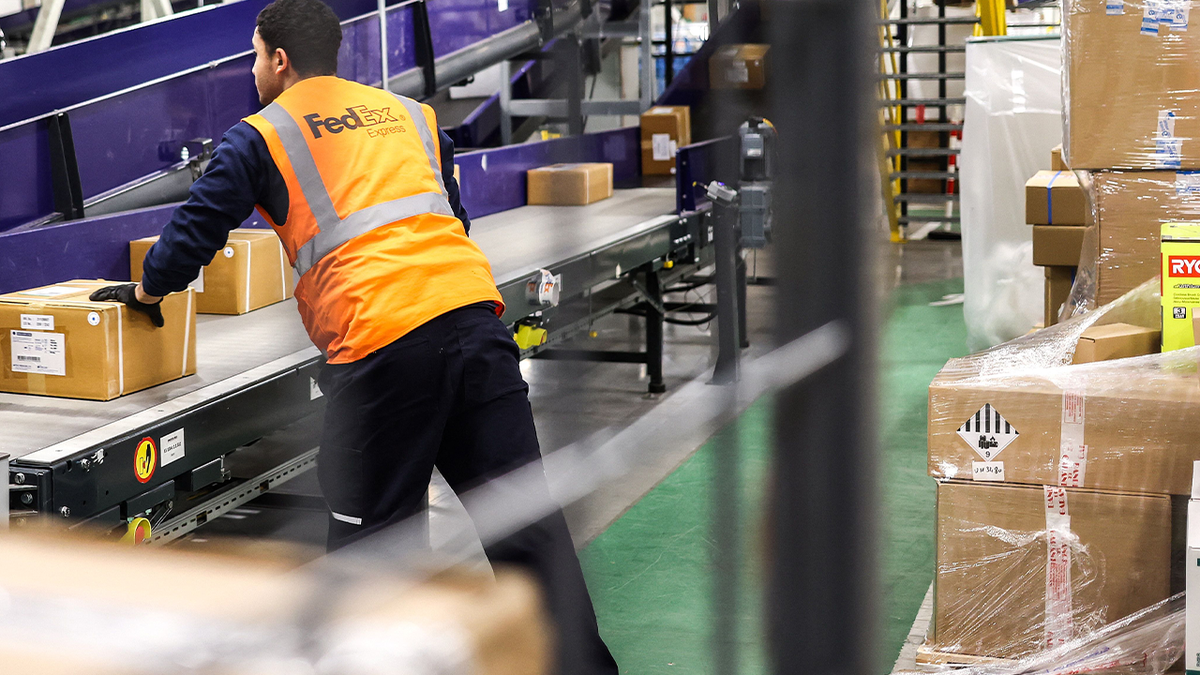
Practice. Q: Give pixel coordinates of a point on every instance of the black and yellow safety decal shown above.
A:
(145, 460)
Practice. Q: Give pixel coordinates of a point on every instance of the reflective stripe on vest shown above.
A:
(334, 231)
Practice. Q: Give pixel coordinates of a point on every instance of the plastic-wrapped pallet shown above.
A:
(1020, 413)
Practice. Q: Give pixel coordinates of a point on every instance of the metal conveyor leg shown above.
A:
(654, 333)
(726, 277)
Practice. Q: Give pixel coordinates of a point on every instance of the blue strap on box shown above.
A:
(1050, 199)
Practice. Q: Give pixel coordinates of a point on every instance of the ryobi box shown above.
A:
(1180, 284)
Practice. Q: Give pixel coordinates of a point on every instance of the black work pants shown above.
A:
(449, 394)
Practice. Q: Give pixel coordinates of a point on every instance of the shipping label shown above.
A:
(39, 353)
(661, 147)
(1187, 183)
(1114, 7)
(987, 471)
(1168, 150)
(37, 322)
(50, 291)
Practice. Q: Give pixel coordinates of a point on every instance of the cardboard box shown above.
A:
(56, 342)
(1129, 425)
(1129, 208)
(250, 272)
(1057, 291)
(1001, 549)
(1180, 285)
(1057, 245)
(664, 130)
(570, 184)
(740, 66)
(1055, 198)
(1056, 160)
(1115, 341)
(1131, 87)
(453, 622)
(1191, 652)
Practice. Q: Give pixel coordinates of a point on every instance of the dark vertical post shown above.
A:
(64, 168)
(728, 343)
(574, 73)
(944, 136)
(654, 333)
(821, 589)
(743, 335)
(669, 54)
(902, 89)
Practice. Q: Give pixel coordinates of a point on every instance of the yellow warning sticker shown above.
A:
(145, 460)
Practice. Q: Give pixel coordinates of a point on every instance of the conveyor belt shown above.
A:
(230, 351)
(233, 351)
(530, 237)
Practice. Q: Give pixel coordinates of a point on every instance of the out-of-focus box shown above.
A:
(664, 130)
(1021, 568)
(250, 272)
(455, 623)
(54, 341)
(1055, 198)
(570, 184)
(1115, 341)
(1180, 285)
(1056, 291)
(741, 66)
(1131, 85)
(1057, 245)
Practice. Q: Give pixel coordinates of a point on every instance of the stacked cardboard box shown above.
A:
(1056, 206)
(665, 129)
(569, 184)
(1055, 480)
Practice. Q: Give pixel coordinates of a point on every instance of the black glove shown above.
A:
(125, 293)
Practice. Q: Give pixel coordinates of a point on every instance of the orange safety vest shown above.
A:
(370, 233)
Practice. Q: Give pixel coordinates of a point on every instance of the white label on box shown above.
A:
(172, 447)
(1168, 149)
(314, 392)
(39, 353)
(198, 283)
(37, 322)
(1114, 7)
(987, 432)
(738, 72)
(501, 5)
(1150, 18)
(1187, 183)
(50, 291)
(990, 471)
(661, 144)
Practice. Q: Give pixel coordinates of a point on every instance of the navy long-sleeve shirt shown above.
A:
(240, 175)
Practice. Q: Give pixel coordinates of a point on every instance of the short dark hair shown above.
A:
(307, 30)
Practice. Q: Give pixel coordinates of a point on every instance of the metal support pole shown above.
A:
(4, 491)
(381, 9)
(725, 240)
(505, 102)
(45, 25)
(743, 336)
(821, 590)
(654, 332)
(648, 90)
(669, 52)
(574, 70)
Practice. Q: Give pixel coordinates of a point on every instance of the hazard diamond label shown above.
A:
(988, 432)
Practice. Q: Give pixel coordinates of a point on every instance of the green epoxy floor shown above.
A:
(649, 573)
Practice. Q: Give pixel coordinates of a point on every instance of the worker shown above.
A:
(359, 185)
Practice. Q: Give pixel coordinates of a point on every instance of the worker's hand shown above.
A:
(127, 293)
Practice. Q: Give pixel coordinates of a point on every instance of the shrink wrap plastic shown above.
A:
(1131, 84)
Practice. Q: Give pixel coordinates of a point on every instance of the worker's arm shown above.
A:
(452, 192)
(219, 201)
(239, 175)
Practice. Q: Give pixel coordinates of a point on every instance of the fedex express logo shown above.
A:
(1184, 265)
(358, 117)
